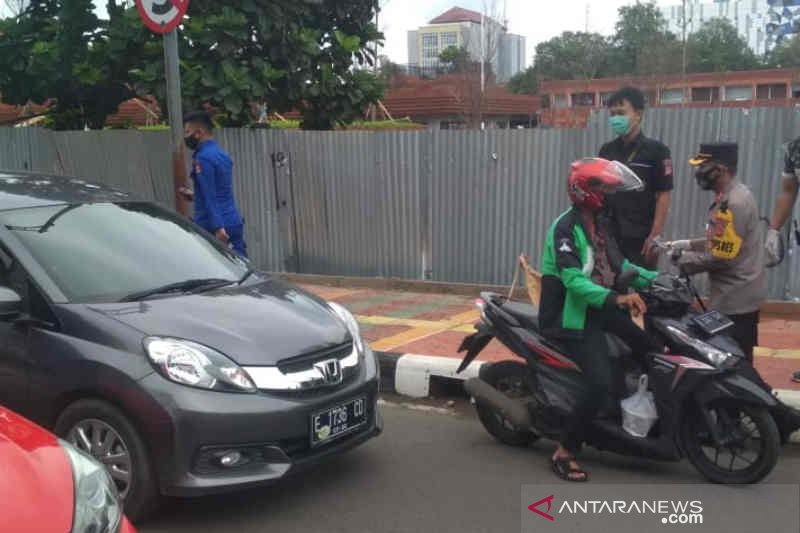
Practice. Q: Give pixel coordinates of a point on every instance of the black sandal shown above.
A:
(563, 469)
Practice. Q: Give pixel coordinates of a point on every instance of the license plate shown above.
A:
(338, 421)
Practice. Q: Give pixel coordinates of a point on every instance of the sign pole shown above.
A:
(175, 112)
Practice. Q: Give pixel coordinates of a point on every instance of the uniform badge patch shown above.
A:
(668, 167)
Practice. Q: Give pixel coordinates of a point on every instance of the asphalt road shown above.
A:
(428, 472)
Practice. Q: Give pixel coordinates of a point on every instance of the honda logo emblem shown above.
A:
(331, 371)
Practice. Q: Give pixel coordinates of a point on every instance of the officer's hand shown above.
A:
(222, 235)
(774, 246)
(632, 302)
(187, 193)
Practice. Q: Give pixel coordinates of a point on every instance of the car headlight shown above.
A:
(714, 355)
(195, 365)
(97, 506)
(351, 324)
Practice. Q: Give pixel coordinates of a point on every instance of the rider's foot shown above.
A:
(796, 376)
(566, 467)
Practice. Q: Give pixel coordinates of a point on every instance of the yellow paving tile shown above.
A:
(763, 351)
(412, 335)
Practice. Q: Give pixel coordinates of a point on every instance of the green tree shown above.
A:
(717, 47)
(457, 60)
(525, 82)
(60, 51)
(786, 54)
(292, 54)
(663, 54)
(572, 55)
(637, 27)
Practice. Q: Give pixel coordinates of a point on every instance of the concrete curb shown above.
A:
(410, 375)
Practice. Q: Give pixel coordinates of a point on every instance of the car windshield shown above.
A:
(107, 251)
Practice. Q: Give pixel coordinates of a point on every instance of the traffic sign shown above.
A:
(161, 16)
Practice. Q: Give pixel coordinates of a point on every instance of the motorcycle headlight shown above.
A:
(713, 355)
(195, 365)
(351, 324)
(97, 506)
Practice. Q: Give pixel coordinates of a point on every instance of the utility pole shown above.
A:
(588, 11)
(483, 47)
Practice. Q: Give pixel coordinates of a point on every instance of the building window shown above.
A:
(448, 39)
(430, 46)
(776, 91)
(583, 100)
(796, 91)
(561, 101)
(705, 94)
(605, 97)
(672, 96)
(738, 93)
(545, 100)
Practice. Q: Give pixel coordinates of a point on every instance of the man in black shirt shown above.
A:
(638, 216)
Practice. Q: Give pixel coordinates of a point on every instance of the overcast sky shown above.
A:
(537, 20)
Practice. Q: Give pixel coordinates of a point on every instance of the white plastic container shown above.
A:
(639, 412)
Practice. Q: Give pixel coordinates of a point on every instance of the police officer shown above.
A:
(639, 217)
(732, 252)
(784, 207)
(214, 205)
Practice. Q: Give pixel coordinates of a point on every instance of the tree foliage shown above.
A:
(717, 47)
(786, 54)
(60, 51)
(292, 54)
(572, 55)
(636, 27)
(458, 61)
(525, 82)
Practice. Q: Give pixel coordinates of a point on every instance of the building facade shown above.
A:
(568, 103)
(762, 23)
(463, 28)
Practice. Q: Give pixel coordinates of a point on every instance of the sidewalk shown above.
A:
(432, 324)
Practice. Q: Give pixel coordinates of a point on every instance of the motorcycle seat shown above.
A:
(526, 314)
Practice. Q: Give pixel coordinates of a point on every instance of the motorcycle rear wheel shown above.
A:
(749, 429)
(508, 377)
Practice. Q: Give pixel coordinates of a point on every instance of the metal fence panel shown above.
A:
(445, 205)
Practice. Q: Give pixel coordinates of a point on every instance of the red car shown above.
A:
(48, 486)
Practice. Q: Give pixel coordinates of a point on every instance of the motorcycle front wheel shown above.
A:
(508, 377)
(748, 449)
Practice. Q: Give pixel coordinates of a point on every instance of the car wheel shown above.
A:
(101, 430)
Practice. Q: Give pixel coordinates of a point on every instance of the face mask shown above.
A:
(706, 178)
(620, 125)
(191, 142)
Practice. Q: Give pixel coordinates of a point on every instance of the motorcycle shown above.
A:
(712, 406)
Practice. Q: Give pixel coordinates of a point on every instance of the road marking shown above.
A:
(763, 351)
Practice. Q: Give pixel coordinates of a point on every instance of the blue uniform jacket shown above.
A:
(214, 205)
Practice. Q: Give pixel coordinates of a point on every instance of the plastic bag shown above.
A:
(639, 411)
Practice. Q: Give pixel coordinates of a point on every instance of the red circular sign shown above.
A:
(162, 16)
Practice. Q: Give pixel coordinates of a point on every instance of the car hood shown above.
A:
(255, 325)
(36, 475)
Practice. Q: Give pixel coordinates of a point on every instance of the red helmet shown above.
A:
(591, 179)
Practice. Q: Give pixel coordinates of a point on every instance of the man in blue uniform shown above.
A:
(214, 205)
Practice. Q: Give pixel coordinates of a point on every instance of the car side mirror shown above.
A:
(10, 304)
(626, 279)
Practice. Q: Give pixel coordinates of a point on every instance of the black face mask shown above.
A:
(191, 142)
(707, 178)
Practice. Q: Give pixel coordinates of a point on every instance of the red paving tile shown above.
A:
(446, 312)
(383, 309)
(778, 372)
(781, 334)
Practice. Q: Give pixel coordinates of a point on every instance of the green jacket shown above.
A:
(567, 287)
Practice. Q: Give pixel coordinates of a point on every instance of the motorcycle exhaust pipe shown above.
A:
(512, 410)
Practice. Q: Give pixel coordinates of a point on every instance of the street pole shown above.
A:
(175, 113)
(683, 64)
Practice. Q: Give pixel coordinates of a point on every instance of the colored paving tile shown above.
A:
(778, 372)
(386, 308)
(444, 313)
(357, 306)
(373, 334)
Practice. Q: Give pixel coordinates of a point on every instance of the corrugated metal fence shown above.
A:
(444, 205)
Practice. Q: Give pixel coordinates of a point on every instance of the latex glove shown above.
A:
(774, 246)
(680, 245)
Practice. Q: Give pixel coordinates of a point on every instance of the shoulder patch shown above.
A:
(667, 167)
(197, 167)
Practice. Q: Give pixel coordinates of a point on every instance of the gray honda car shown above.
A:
(140, 339)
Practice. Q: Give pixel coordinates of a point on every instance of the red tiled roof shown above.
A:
(143, 112)
(457, 14)
(454, 95)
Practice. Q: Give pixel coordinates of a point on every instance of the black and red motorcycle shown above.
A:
(713, 408)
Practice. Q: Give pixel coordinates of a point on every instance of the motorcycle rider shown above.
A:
(580, 266)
